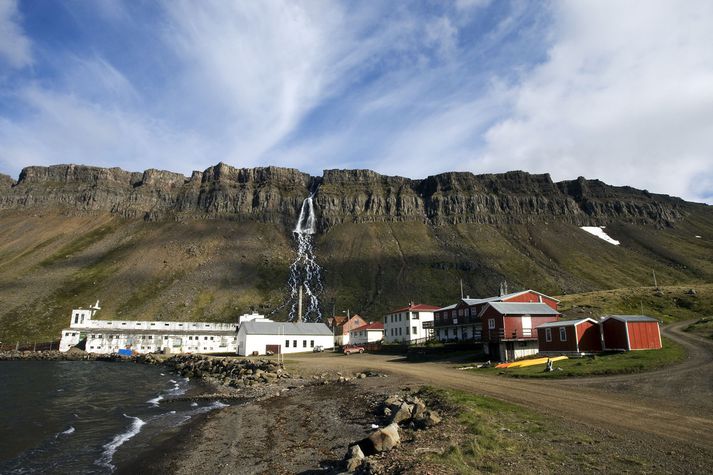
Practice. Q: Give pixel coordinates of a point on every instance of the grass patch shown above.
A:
(703, 327)
(488, 427)
(605, 364)
(79, 244)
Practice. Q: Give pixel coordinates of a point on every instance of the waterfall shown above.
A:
(304, 270)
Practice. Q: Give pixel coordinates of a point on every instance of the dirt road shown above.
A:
(638, 404)
(687, 386)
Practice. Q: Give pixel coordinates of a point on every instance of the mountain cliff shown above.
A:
(161, 245)
(273, 195)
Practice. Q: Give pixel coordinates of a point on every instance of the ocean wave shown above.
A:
(69, 431)
(155, 401)
(111, 448)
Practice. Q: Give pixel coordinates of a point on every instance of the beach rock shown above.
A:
(353, 458)
(382, 440)
(403, 413)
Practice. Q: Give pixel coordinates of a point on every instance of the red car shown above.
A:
(349, 349)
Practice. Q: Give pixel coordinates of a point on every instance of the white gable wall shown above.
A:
(249, 343)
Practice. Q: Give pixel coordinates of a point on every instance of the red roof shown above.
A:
(370, 326)
(416, 308)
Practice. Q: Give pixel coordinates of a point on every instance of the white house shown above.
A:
(257, 337)
(409, 324)
(111, 336)
(370, 333)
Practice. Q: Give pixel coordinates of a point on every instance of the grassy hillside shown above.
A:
(219, 269)
(669, 303)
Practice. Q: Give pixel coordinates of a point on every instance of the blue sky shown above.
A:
(620, 90)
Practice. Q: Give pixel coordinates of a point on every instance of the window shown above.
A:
(415, 315)
(153, 324)
(414, 330)
(123, 323)
(150, 337)
(453, 332)
(563, 334)
(165, 324)
(460, 312)
(205, 338)
(304, 343)
(311, 343)
(287, 343)
(491, 324)
(294, 343)
(548, 335)
(399, 331)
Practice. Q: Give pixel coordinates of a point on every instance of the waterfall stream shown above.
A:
(304, 270)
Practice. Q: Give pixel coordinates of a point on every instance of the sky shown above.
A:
(620, 91)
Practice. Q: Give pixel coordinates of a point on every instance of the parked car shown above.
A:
(318, 349)
(349, 349)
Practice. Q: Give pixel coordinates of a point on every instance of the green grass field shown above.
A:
(703, 327)
(605, 364)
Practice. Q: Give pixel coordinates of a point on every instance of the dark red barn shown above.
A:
(631, 332)
(575, 337)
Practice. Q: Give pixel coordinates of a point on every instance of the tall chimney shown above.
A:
(299, 305)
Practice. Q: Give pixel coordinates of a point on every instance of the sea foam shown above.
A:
(119, 440)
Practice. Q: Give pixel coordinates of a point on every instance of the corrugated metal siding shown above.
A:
(589, 336)
(614, 334)
(644, 335)
(532, 297)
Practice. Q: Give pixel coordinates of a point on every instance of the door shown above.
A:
(526, 326)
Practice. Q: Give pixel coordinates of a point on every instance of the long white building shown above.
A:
(111, 336)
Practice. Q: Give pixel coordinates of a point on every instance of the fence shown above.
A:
(30, 346)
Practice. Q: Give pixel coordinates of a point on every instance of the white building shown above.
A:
(370, 333)
(111, 336)
(257, 337)
(409, 324)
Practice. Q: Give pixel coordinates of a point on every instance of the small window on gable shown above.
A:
(491, 323)
(563, 334)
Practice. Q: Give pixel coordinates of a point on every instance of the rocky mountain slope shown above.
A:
(159, 245)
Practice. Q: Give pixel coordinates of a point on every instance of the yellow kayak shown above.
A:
(536, 361)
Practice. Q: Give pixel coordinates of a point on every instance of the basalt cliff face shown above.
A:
(274, 195)
(158, 245)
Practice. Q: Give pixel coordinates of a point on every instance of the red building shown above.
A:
(342, 325)
(631, 332)
(575, 337)
(509, 328)
(461, 321)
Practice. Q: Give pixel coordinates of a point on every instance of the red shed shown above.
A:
(569, 337)
(631, 332)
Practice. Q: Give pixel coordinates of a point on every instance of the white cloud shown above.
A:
(66, 129)
(626, 95)
(259, 66)
(15, 47)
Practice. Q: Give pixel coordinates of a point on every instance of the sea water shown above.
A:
(86, 416)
